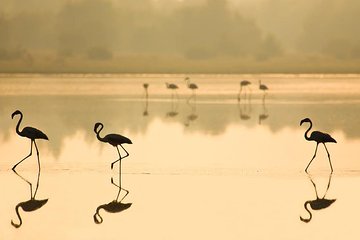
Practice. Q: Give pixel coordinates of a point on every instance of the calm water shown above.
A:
(200, 167)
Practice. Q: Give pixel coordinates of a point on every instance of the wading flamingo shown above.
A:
(31, 133)
(318, 137)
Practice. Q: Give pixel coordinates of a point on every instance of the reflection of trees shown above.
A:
(63, 116)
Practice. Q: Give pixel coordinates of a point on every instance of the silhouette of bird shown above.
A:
(318, 203)
(111, 207)
(190, 85)
(243, 84)
(172, 87)
(146, 86)
(31, 133)
(318, 137)
(113, 139)
(263, 86)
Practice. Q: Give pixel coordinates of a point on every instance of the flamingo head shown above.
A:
(305, 120)
(96, 126)
(15, 113)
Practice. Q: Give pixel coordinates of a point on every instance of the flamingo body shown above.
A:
(171, 86)
(321, 137)
(244, 83)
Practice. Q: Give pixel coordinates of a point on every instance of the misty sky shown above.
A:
(231, 36)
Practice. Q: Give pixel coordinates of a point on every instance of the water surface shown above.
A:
(200, 167)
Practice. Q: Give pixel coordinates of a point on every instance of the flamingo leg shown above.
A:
(328, 157)
(317, 144)
(31, 144)
(239, 94)
(37, 153)
(112, 164)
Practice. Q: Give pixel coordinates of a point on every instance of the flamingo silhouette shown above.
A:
(191, 86)
(318, 203)
(172, 87)
(31, 133)
(146, 86)
(115, 140)
(243, 84)
(145, 112)
(30, 205)
(264, 88)
(318, 137)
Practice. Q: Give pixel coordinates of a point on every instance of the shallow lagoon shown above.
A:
(210, 167)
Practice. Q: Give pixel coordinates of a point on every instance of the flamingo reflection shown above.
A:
(30, 205)
(192, 116)
(114, 206)
(318, 203)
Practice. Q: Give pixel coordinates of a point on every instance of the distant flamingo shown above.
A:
(115, 140)
(264, 88)
(146, 86)
(318, 203)
(191, 85)
(172, 87)
(318, 137)
(31, 133)
(243, 84)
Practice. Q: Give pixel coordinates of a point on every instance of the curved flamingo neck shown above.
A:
(307, 131)
(97, 218)
(98, 133)
(18, 125)
(18, 214)
(306, 204)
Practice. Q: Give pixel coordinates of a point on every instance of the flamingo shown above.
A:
(31, 133)
(172, 87)
(191, 85)
(318, 203)
(114, 140)
(146, 86)
(264, 88)
(243, 84)
(318, 137)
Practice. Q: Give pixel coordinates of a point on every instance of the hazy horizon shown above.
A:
(174, 36)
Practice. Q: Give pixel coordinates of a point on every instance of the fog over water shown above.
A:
(179, 36)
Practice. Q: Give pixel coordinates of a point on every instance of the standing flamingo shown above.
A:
(146, 86)
(191, 85)
(115, 140)
(243, 84)
(172, 87)
(264, 88)
(31, 133)
(318, 137)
